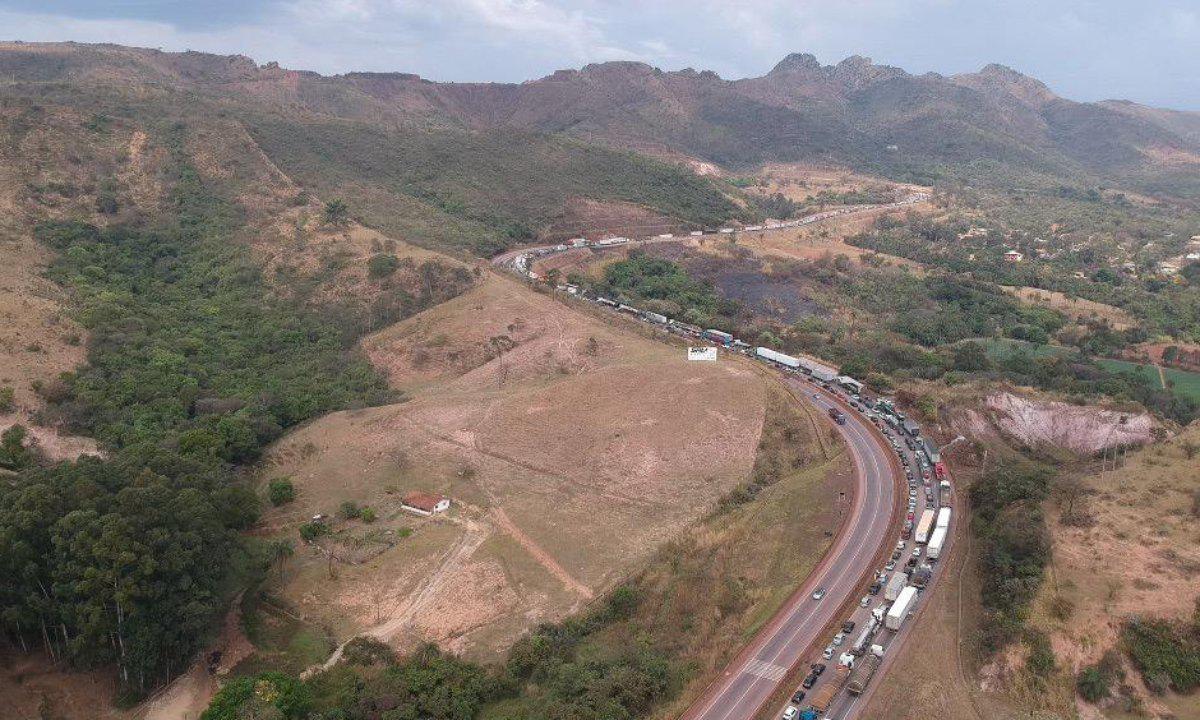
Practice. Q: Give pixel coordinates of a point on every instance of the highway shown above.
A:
(511, 258)
(795, 637)
(750, 680)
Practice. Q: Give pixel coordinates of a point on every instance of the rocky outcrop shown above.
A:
(1082, 429)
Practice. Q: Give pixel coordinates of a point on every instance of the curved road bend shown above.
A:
(506, 258)
(753, 676)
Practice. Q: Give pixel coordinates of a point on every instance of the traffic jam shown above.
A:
(836, 680)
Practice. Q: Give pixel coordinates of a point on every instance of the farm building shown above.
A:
(425, 503)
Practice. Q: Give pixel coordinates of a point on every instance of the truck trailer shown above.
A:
(943, 519)
(718, 336)
(894, 587)
(862, 673)
(899, 610)
(824, 374)
(777, 357)
(944, 492)
(829, 690)
(864, 638)
(924, 525)
(921, 576)
(934, 550)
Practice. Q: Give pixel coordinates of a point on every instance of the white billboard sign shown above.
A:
(702, 353)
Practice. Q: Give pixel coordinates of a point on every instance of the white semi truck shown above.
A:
(943, 519)
(775, 356)
(895, 585)
(924, 525)
(934, 550)
(899, 610)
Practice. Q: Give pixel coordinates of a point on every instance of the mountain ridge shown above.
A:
(855, 113)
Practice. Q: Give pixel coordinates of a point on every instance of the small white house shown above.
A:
(423, 503)
(1013, 256)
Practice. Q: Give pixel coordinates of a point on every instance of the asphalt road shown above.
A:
(794, 635)
(508, 258)
(754, 675)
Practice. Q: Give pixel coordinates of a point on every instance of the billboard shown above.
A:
(702, 353)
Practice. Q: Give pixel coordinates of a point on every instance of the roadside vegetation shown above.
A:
(886, 324)
(1008, 521)
(659, 285)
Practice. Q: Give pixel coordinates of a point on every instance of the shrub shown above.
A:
(367, 515)
(1041, 662)
(336, 213)
(269, 695)
(623, 601)
(364, 650)
(382, 265)
(7, 396)
(281, 491)
(1091, 685)
(312, 530)
(349, 510)
(1166, 653)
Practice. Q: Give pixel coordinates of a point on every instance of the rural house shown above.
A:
(423, 503)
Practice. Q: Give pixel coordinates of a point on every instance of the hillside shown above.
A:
(548, 429)
(854, 113)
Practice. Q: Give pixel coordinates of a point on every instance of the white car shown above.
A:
(819, 593)
(865, 601)
(838, 639)
(917, 551)
(790, 713)
(828, 654)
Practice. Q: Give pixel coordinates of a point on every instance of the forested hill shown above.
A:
(996, 124)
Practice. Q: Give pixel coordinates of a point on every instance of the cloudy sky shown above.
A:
(1144, 50)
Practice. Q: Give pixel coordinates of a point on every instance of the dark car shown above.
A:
(809, 681)
(818, 668)
(798, 697)
(874, 589)
(848, 626)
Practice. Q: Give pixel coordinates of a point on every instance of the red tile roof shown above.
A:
(423, 501)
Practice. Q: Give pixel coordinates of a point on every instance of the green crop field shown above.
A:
(1186, 384)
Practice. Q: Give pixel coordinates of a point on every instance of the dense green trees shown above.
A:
(127, 561)
(667, 286)
(1014, 543)
(119, 561)
(573, 669)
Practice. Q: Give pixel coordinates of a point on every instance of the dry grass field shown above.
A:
(801, 182)
(1078, 308)
(1138, 555)
(1134, 554)
(572, 445)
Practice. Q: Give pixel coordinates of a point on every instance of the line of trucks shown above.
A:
(857, 667)
(910, 199)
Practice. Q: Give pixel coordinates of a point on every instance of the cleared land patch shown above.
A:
(801, 182)
(1078, 308)
(597, 444)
